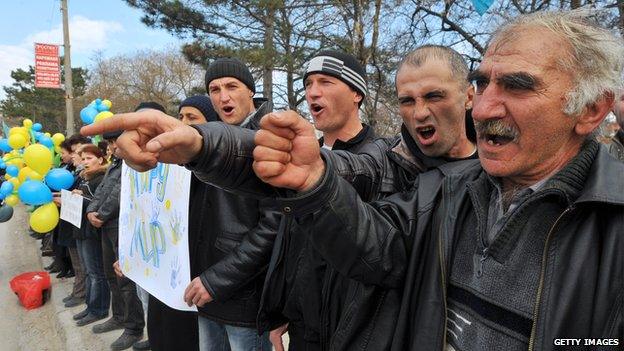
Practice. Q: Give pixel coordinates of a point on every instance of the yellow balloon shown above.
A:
(44, 218)
(11, 200)
(17, 141)
(107, 103)
(27, 173)
(16, 183)
(38, 158)
(7, 177)
(47, 134)
(103, 115)
(23, 173)
(17, 162)
(20, 130)
(27, 123)
(58, 138)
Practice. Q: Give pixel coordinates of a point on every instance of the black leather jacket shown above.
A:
(410, 234)
(313, 302)
(407, 240)
(230, 246)
(300, 287)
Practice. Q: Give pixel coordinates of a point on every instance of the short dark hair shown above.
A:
(73, 140)
(92, 149)
(425, 53)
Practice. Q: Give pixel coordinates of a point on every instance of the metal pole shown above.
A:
(69, 90)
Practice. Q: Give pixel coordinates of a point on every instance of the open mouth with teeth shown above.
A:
(316, 108)
(426, 132)
(498, 139)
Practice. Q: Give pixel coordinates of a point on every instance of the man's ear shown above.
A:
(593, 115)
(357, 97)
(469, 96)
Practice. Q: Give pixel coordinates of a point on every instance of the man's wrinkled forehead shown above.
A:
(224, 81)
(524, 52)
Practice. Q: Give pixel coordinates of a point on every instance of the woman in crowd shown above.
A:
(88, 239)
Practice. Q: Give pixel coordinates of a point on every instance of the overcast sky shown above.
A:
(107, 26)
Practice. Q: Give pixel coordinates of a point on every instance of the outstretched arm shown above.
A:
(217, 153)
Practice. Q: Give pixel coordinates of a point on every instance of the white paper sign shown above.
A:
(71, 208)
(153, 231)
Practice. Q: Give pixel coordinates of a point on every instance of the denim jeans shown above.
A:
(215, 336)
(97, 292)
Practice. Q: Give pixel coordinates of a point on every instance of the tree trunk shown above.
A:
(374, 101)
(269, 46)
(621, 20)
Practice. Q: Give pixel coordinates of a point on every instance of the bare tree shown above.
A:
(165, 77)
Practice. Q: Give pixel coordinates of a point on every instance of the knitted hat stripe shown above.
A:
(336, 67)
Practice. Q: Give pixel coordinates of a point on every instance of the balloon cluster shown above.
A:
(30, 177)
(96, 111)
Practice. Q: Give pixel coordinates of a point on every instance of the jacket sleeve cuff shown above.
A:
(206, 284)
(308, 202)
(202, 152)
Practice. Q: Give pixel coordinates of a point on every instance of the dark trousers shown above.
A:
(80, 278)
(97, 293)
(170, 329)
(127, 308)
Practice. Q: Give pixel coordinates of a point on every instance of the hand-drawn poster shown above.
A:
(153, 231)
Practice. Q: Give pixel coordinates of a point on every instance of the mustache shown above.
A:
(496, 127)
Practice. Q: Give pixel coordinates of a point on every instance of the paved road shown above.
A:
(49, 327)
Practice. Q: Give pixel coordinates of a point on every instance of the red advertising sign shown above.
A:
(47, 66)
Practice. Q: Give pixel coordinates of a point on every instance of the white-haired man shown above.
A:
(519, 250)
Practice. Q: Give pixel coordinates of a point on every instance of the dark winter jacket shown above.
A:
(299, 282)
(231, 246)
(616, 148)
(407, 241)
(88, 188)
(384, 167)
(106, 198)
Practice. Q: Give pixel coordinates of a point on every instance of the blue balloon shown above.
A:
(37, 127)
(101, 107)
(34, 192)
(12, 171)
(2, 196)
(6, 188)
(4, 145)
(46, 141)
(2, 164)
(87, 114)
(59, 178)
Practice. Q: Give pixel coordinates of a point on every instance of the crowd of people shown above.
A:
(492, 221)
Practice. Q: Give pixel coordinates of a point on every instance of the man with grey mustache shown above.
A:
(522, 249)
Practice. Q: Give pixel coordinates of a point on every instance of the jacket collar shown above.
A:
(263, 106)
(366, 132)
(415, 160)
(604, 182)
